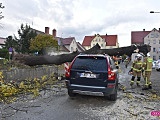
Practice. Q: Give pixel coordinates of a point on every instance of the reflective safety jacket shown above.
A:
(147, 63)
(137, 65)
(116, 63)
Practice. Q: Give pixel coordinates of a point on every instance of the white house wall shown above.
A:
(153, 38)
(100, 41)
(73, 46)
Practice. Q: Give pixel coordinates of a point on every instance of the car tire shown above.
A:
(71, 94)
(113, 97)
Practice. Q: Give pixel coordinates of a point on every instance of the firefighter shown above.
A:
(115, 58)
(136, 70)
(147, 72)
(116, 64)
(126, 62)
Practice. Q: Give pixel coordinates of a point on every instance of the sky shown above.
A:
(80, 18)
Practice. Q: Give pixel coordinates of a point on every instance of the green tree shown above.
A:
(11, 42)
(25, 36)
(4, 53)
(42, 42)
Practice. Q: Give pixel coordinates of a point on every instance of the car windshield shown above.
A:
(90, 63)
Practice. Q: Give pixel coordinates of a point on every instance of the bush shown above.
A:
(4, 53)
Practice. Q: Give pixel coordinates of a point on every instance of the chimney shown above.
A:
(159, 29)
(143, 29)
(54, 32)
(46, 30)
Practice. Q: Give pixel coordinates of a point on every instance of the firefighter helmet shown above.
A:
(139, 56)
(148, 55)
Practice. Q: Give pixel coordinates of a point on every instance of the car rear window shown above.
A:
(90, 63)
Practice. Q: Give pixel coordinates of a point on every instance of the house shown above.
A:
(66, 45)
(70, 43)
(148, 37)
(105, 41)
(2, 41)
(80, 47)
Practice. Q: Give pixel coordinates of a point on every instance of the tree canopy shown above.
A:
(10, 42)
(25, 35)
(21, 44)
(42, 41)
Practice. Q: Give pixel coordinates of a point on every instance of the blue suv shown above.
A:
(92, 74)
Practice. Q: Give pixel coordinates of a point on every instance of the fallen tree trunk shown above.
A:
(60, 59)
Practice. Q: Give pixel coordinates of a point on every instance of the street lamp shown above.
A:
(154, 12)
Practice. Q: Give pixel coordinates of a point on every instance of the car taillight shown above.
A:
(67, 73)
(68, 69)
(111, 74)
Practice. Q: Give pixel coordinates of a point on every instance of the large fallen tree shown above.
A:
(60, 59)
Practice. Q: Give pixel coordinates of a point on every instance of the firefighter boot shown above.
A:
(145, 88)
(146, 85)
(138, 83)
(131, 83)
(150, 86)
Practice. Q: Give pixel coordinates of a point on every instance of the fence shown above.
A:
(30, 73)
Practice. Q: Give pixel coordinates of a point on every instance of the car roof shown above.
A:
(94, 55)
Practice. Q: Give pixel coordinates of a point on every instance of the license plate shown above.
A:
(88, 75)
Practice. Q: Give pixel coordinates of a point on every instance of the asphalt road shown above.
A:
(132, 104)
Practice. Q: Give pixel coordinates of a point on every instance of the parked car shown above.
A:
(154, 64)
(157, 66)
(93, 75)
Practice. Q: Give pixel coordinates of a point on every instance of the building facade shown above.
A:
(153, 38)
(2, 42)
(148, 37)
(105, 41)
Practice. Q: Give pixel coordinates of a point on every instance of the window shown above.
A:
(157, 35)
(154, 41)
(148, 41)
(90, 63)
(152, 35)
(154, 57)
(71, 49)
(154, 49)
(101, 45)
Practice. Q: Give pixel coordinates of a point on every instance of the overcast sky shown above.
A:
(80, 18)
